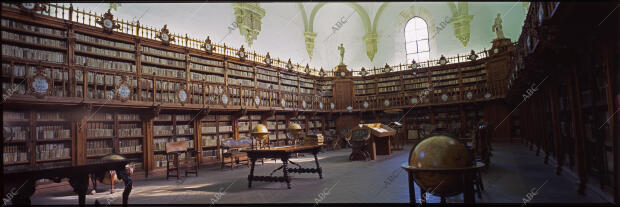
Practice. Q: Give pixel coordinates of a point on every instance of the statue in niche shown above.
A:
(497, 27)
(341, 49)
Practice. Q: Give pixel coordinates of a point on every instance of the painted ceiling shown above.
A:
(371, 32)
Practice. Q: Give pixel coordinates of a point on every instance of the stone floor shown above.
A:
(513, 173)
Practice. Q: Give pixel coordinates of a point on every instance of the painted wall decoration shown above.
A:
(461, 20)
(248, 18)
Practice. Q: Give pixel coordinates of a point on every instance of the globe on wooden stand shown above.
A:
(293, 133)
(442, 166)
(261, 134)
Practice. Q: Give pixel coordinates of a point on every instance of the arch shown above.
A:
(360, 11)
(377, 15)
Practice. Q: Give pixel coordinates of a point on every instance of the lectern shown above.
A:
(381, 136)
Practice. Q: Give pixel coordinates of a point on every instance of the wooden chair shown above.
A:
(330, 139)
(175, 162)
(234, 156)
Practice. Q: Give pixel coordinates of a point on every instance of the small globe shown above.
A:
(260, 132)
(440, 152)
(294, 126)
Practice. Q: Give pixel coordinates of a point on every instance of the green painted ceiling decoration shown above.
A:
(248, 18)
(303, 31)
(114, 6)
(461, 19)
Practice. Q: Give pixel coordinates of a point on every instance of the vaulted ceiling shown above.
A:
(371, 32)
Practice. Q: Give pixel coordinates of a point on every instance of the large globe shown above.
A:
(440, 152)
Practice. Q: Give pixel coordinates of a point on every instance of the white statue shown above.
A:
(497, 27)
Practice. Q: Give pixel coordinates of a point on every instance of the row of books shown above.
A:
(129, 117)
(51, 132)
(91, 39)
(445, 83)
(130, 130)
(163, 52)
(288, 82)
(33, 39)
(389, 89)
(241, 73)
(474, 79)
(189, 142)
(32, 54)
(416, 86)
(288, 89)
(93, 93)
(241, 82)
(208, 129)
(167, 86)
(305, 84)
(391, 78)
(207, 61)
(105, 64)
(14, 115)
(159, 160)
(439, 72)
(266, 72)
(166, 97)
(183, 117)
(287, 76)
(15, 153)
(420, 80)
(163, 72)
(153, 59)
(209, 140)
(206, 68)
(130, 146)
(267, 85)
(418, 75)
(159, 144)
(53, 151)
(365, 92)
(49, 115)
(240, 67)
(162, 129)
(444, 77)
(15, 133)
(99, 147)
(474, 73)
(33, 28)
(99, 130)
(305, 90)
(224, 129)
(185, 129)
(266, 77)
(384, 84)
(102, 51)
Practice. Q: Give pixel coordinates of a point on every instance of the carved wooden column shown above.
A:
(557, 137)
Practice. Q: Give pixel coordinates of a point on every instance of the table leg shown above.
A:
(285, 171)
(468, 191)
(253, 160)
(411, 189)
(80, 186)
(20, 195)
(126, 177)
(318, 167)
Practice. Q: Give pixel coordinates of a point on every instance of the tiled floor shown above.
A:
(514, 171)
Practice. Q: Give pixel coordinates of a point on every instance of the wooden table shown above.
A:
(284, 154)
(20, 181)
(467, 177)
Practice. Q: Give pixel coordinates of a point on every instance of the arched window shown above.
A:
(416, 40)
